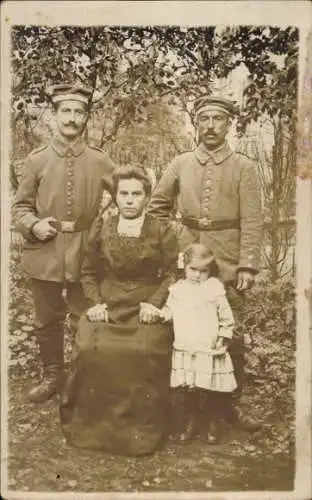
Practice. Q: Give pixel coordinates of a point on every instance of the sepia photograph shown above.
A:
(156, 250)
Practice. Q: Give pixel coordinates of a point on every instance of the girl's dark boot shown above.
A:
(191, 407)
(212, 412)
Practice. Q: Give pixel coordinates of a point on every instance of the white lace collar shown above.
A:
(130, 227)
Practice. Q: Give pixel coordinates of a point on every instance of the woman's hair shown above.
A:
(131, 172)
(201, 252)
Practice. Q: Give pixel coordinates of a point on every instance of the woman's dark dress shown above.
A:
(117, 394)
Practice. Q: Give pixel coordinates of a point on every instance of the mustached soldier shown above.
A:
(218, 198)
(57, 199)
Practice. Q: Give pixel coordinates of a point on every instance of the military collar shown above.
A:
(217, 156)
(64, 148)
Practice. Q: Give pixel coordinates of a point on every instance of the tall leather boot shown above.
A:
(233, 411)
(51, 346)
(234, 414)
(191, 406)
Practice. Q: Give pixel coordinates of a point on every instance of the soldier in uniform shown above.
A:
(218, 200)
(58, 197)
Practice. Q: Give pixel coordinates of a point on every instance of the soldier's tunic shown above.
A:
(64, 182)
(218, 186)
(222, 187)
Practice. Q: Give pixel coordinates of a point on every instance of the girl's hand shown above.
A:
(148, 313)
(165, 314)
(98, 312)
(222, 342)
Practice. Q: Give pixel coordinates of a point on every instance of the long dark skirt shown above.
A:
(116, 397)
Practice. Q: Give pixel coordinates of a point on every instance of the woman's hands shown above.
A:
(148, 313)
(99, 312)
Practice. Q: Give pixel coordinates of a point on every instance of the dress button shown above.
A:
(68, 212)
(70, 173)
(69, 202)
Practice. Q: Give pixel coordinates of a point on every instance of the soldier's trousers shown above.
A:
(50, 313)
(236, 348)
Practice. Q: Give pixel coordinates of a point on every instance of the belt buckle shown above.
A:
(67, 226)
(204, 223)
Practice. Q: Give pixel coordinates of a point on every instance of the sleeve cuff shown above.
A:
(28, 227)
(227, 333)
(248, 269)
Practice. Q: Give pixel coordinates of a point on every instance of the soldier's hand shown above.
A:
(98, 312)
(245, 280)
(44, 230)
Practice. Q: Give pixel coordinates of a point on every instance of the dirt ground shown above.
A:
(41, 460)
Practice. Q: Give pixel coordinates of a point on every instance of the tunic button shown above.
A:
(69, 202)
(69, 173)
(68, 212)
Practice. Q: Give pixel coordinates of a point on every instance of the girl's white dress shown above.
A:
(201, 313)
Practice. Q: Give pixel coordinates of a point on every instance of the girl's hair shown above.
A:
(131, 172)
(201, 252)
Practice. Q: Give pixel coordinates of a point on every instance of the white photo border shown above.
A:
(187, 13)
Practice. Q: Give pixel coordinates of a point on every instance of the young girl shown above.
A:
(203, 324)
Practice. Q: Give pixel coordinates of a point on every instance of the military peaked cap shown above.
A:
(221, 103)
(64, 92)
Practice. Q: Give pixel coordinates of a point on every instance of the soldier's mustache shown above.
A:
(70, 124)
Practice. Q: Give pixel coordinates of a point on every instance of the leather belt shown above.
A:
(206, 224)
(70, 226)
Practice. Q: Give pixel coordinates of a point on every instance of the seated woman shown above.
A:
(117, 395)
